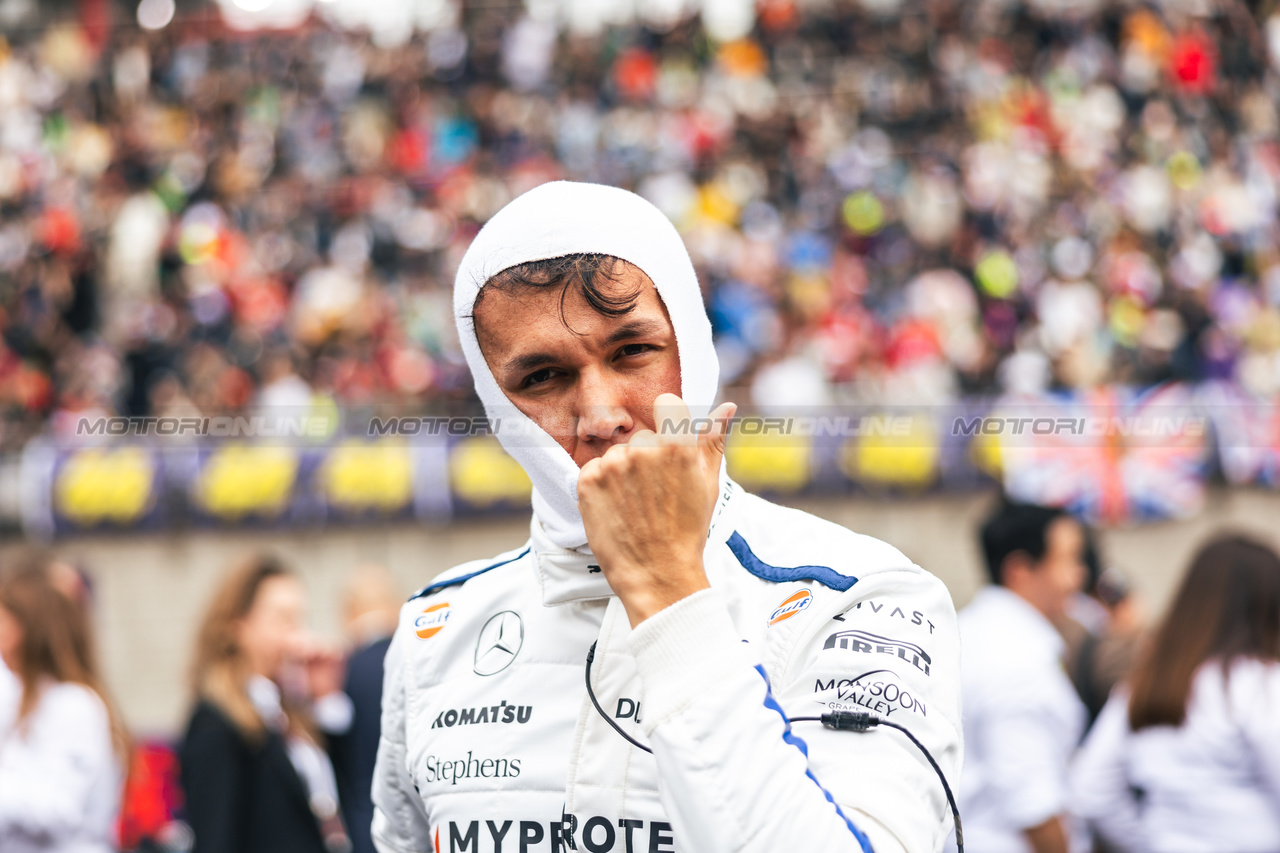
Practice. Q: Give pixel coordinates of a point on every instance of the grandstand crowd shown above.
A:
(892, 201)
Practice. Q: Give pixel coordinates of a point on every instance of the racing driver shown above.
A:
(714, 617)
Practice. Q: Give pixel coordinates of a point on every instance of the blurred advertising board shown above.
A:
(1112, 455)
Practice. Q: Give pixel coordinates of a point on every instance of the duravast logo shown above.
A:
(567, 835)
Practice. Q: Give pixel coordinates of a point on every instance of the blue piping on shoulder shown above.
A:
(779, 574)
(433, 587)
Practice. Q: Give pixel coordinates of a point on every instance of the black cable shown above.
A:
(591, 655)
(843, 720)
(861, 722)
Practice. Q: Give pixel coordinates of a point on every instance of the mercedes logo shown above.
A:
(499, 643)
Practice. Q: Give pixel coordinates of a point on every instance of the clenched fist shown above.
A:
(647, 505)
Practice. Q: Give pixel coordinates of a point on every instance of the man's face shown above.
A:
(590, 384)
(1060, 573)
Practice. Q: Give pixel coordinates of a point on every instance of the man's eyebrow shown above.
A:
(530, 361)
(634, 329)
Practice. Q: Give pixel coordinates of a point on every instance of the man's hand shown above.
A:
(325, 669)
(1048, 837)
(647, 505)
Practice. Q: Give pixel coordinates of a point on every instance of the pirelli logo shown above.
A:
(865, 642)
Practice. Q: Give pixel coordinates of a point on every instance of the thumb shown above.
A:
(672, 422)
(713, 442)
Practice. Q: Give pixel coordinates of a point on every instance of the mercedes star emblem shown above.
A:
(499, 643)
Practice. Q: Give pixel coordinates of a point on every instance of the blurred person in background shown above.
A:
(1102, 629)
(1186, 757)
(371, 609)
(10, 689)
(255, 775)
(1022, 717)
(61, 743)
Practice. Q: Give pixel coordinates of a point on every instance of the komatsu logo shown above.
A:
(499, 713)
(868, 643)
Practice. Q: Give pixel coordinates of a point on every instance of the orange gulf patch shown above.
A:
(432, 620)
(793, 605)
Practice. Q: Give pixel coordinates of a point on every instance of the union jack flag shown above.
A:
(1247, 429)
(1110, 456)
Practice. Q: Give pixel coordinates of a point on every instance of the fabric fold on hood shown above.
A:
(568, 218)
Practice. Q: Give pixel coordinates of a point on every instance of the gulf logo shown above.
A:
(432, 620)
(791, 606)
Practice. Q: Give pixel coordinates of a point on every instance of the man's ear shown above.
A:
(1015, 569)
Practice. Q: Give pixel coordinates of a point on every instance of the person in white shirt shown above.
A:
(10, 690)
(1186, 757)
(1022, 717)
(60, 742)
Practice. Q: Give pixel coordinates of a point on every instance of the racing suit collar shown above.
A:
(572, 574)
(566, 574)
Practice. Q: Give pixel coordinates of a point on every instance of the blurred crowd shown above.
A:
(279, 750)
(887, 200)
(1085, 728)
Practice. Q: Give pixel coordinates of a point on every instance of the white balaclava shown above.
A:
(565, 218)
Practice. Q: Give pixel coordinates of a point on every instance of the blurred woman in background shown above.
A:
(1187, 756)
(61, 743)
(255, 777)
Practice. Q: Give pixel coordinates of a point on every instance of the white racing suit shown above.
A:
(491, 745)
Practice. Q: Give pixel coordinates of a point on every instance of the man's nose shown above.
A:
(601, 413)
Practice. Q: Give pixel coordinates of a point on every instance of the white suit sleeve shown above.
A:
(48, 782)
(738, 777)
(1100, 792)
(399, 823)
